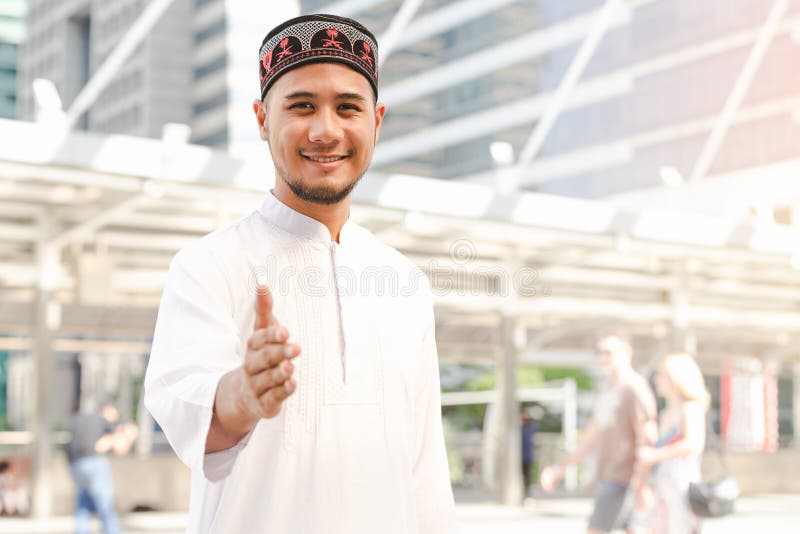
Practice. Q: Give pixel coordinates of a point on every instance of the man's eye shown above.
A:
(300, 105)
(349, 107)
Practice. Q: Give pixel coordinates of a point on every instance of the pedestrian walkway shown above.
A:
(776, 514)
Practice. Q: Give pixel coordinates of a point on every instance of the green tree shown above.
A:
(471, 416)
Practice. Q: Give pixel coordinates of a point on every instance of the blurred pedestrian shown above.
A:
(676, 456)
(623, 419)
(347, 436)
(529, 419)
(14, 473)
(93, 435)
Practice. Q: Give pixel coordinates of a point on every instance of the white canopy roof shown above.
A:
(118, 208)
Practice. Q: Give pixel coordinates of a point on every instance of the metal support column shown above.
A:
(739, 91)
(138, 31)
(399, 23)
(565, 89)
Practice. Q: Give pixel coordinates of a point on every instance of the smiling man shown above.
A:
(302, 392)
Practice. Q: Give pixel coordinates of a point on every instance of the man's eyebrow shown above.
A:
(340, 96)
(351, 96)
(299, 94)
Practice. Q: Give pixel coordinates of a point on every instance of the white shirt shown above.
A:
(358, 448)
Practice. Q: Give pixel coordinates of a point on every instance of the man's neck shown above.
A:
(618, 375)
(333, 216)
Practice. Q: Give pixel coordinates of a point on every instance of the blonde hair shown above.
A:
(684, 373)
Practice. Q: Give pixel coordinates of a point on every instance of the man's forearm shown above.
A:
(574, 457)
(583, 447)
(230, 421)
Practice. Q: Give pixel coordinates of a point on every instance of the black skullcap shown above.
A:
(317, 38)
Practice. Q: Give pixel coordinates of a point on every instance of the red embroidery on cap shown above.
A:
(267, 60)
(366, 53)
(331, 41)
(286, 49)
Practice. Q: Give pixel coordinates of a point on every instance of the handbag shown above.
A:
(714, 498)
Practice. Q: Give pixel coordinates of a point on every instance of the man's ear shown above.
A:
(380, 111)
(260, 110)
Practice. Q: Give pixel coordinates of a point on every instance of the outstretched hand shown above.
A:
(267, 365)
(550, 477)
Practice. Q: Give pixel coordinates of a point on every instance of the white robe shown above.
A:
(358, 448)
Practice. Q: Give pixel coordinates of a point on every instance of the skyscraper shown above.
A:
(466, 75)
(68, 41)
(226, 36)
(469, 84)
(197, 66)
(12, 33)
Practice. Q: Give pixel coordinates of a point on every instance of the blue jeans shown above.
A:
(92, 475)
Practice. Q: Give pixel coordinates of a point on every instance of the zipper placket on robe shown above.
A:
(339, 311)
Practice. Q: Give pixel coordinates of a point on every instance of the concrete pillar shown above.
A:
(510, 473)
(682, 339)
(46, 321)
(796, 404)
(569, 425)
(144, 443)
(125, 388)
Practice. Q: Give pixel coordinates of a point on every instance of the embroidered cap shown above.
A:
(316, 39)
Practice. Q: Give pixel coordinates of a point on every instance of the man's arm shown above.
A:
(118, 440)
(585, 444)
(552, 474)
(197, 379)
(646, 429)
(691, 442)
(257, 388)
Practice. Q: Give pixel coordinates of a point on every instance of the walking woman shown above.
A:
(675, 458)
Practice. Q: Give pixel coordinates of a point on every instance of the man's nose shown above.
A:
(325, 127)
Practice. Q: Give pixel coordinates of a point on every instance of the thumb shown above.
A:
(264, 317)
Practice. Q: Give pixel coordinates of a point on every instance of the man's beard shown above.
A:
(319, 194)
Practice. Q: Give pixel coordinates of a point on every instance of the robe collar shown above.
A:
(298, 224)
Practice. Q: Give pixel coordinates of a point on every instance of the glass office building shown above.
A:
(12, 33)
(464, 75)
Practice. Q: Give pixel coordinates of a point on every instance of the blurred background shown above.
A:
(556, 167)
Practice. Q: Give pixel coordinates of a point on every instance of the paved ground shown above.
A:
(773, 514)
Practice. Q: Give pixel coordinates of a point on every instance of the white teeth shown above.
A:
(325, 160)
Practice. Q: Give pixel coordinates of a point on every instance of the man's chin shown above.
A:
(322, 194)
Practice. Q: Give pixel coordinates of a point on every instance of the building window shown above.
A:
(208, 32)
(210, 67)
(217, 138)
(215, 101)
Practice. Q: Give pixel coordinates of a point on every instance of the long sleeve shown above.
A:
(433, 492)
(196, 342)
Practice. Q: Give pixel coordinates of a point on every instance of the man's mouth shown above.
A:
(324, 159)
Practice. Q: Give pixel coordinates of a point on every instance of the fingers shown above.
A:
(266, 365)
(264, 317)
(269, 356)
(271, 401)
(271, 378)
(271, 334)
(549, 478)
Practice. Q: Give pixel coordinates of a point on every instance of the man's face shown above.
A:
(613, 354)
(322, 123)
(110, 413)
